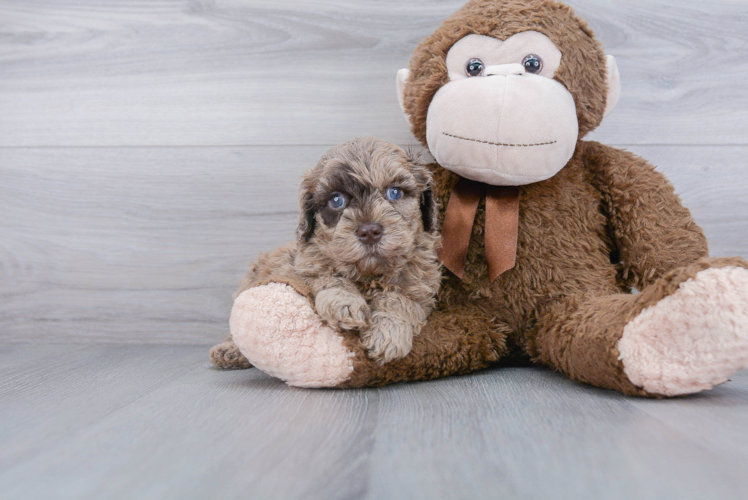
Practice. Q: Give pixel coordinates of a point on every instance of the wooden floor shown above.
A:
(103, 421)
(150, 149)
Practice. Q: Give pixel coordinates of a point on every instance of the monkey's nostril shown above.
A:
(369, 233)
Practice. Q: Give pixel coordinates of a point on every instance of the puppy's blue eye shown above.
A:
(394, 193)
(337, 201)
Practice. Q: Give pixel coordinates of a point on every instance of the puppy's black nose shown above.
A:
(369, 233)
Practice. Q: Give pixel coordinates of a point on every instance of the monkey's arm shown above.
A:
(652, 231)
(452, 341)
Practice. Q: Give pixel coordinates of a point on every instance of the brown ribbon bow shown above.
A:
(502, 216)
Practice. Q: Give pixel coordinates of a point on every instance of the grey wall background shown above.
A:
(150, 149)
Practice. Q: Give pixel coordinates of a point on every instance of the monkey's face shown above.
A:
(503, 90)
(367, 203)
(501, 118)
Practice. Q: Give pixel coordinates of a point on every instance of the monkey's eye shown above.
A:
(337, 201)
(532, 63)
(394, 193)
(474, 67)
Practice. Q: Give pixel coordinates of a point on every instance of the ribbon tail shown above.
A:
(502, 225)
(458, 225)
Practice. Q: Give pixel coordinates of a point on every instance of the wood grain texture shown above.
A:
(145, 244)
(157, 422)
(148, 244)
(52, 392)
(530, 433)
(193, 72)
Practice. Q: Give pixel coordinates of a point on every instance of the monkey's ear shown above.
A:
(402, 78)
(307, 217)
(614, 85)
(429, 212)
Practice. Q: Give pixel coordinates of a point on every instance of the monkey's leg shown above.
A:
(227, 356)
(278, 331)
(685, 333)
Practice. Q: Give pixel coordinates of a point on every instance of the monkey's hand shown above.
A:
(342, 309)
(389, 338)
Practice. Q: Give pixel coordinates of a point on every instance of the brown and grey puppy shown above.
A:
(366, 245)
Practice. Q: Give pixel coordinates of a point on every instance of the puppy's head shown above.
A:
(367, 205)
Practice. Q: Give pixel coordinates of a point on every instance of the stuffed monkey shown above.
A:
(545, 235)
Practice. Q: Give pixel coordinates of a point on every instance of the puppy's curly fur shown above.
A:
(365, 250)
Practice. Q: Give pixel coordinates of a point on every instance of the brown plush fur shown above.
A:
(383, 291)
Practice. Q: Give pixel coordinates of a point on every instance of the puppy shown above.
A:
(365, 249)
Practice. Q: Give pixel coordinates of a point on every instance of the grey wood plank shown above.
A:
(719, 418)
(148, 244)
(158, 422)
(178, 72)
(61, 390)
(15, 356)
(208, 434)
(531, 433)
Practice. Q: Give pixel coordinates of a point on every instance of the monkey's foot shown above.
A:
(693, 339)
(279, 333)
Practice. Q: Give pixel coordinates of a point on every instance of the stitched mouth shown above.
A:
(502, 144)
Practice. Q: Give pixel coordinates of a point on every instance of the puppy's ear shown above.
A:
(307, 217)
(429, 213)
(429, 209)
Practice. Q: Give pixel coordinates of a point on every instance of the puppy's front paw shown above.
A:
(342, 309)
(388, 339)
